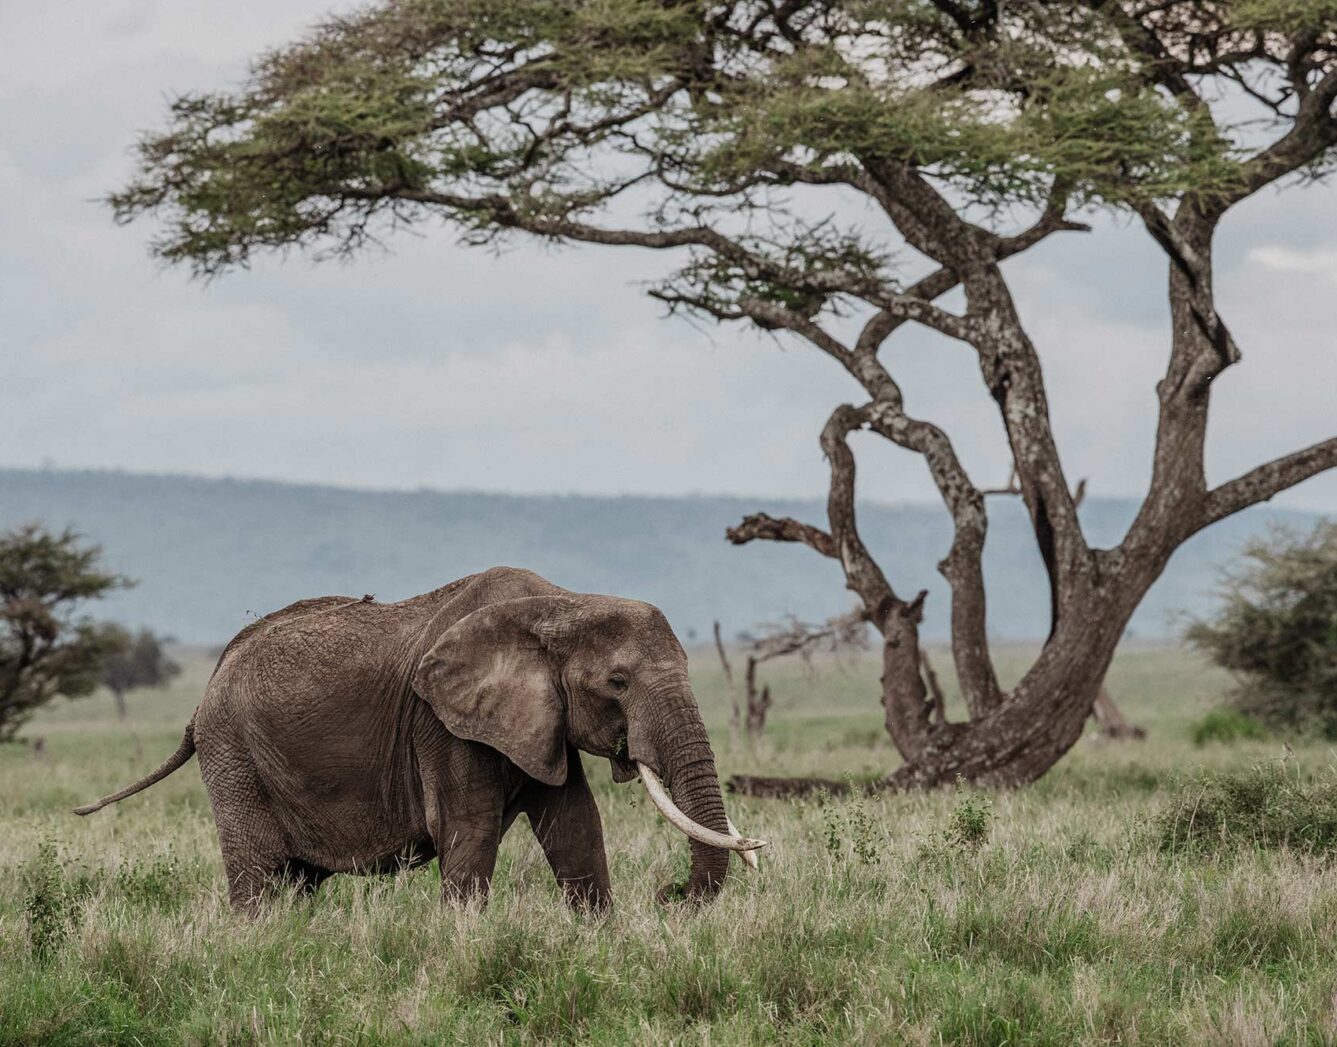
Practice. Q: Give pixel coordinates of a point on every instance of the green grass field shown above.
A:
(1048, 916)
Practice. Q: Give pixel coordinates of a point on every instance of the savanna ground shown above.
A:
(1055, 915)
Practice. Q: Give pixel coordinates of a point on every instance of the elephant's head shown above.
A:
(529, 676)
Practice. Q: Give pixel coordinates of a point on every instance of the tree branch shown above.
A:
(503, 213)
(1008, 360)
(1313, 130)
(782, 529)
(1267, 481)
(885, 322)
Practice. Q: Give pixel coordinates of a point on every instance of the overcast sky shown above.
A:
(542, 370)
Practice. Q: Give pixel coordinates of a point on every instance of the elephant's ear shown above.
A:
(490, 678)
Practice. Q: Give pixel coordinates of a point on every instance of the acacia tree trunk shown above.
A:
(1111, 721)
(1014, 738)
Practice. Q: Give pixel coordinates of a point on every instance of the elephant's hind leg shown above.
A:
(254, 846)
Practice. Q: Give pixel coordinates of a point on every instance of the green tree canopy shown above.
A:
(545, 116)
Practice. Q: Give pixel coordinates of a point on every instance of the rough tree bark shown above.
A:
(1012, 739)
(1109, 718)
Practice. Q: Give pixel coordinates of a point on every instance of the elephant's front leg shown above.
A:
(565, 819)
(465, 799)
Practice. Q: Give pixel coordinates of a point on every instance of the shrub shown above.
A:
(50, 901)
(1227, 726)
(1265, 807)
(850, 825)
(1277, 631)
(156, 882)
(968, 824)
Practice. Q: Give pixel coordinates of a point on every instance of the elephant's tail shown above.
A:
(183, 753)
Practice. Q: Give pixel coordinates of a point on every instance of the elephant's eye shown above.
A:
(618, 682)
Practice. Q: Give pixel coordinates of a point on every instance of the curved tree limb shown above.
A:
(1266, 481)
(783, 529)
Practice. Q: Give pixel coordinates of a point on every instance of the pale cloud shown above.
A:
(1321, 261)
(538, 369)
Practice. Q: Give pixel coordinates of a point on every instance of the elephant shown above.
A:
(346, 735)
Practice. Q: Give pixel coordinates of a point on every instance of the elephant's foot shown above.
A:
(465, 890)
(587, 898)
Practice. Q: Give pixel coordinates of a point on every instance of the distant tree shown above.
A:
(828, 171)
(47, 647)
(1277, 631)
(779, 640)
(139, 661)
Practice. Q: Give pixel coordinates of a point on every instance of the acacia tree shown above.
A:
(741, 134)
(47, 647)
(139, 661)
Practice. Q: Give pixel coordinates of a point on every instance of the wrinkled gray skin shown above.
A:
(344, 735)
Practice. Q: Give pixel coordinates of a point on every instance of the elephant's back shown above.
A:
(318, 605)
(316, 643)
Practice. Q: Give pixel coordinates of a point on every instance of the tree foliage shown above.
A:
(1277, 631)
(138, 661)
(47, 646)
(538, 115)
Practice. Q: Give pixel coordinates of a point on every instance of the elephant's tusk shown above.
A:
(749, 857)
(660, 798)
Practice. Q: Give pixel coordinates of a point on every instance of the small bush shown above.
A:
(50, 902)
(968, 824)
(156, 882)
(1227, 726)
(1265, 807)
(850, 825)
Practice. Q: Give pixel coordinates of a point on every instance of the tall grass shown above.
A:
(1049, 916)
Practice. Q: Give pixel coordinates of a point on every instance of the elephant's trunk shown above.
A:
(688, 764)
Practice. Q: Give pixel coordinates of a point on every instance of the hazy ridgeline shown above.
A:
(1046, 916)
(212, 554)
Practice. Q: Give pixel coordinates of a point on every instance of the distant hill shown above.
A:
(210, 554)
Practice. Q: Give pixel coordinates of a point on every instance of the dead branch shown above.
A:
(789, 637)
(934, 687)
